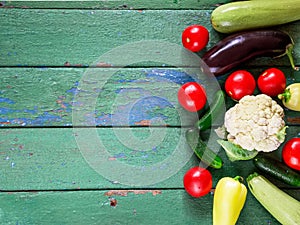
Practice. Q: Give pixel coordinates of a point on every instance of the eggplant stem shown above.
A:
(289, 53)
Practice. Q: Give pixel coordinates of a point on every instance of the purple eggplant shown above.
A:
(238, 48)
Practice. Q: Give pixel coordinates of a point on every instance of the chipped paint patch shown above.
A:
(136, 192)
(103, 64)
(293, 120)
(143, 123)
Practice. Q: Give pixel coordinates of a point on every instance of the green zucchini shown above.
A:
(277, 169)
(282, 206)
(213, 113)
(201, 150)
(245, 15)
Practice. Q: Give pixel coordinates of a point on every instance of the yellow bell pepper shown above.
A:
(229, 199)
(291, 97)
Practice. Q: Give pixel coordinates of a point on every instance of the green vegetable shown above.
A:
(235, 152)
(282, 206)
(203, 152)
(213, 113)
(277, 169)
(245, 15)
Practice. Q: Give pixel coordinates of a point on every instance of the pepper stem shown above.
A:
(239, 178)
(285, 96)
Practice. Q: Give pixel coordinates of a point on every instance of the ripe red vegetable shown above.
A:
(197, 181)
(272, 82)
(195, 37)
(192, 96)
(291, 153)
(239, 84)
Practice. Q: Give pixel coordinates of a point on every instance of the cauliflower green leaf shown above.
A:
(236, 152)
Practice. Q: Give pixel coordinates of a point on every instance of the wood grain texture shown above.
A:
(138, 207)
(41, 37)
(116, 4)
(127, 97)
(49, 159)
(82, 158)
(121, 172)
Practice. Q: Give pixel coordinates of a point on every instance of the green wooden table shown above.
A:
(86, 139)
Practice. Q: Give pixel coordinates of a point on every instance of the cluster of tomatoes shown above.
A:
(240, 83)
(192, 96)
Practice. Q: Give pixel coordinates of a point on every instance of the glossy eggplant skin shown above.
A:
(240, 47)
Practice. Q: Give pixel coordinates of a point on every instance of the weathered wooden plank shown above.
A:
(37, 159)
(98, 162)
(82, 158)
(116, 4)
(38, 37)
(127, 97)
(120, 207)
(54, 37)
(124, 97)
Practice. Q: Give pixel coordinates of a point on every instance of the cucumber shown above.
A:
(201, 150)
(246, 15)
(279, 204)
(235, 152)
(213, 113)
(277, 169)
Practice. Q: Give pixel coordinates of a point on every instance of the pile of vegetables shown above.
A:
(255, 125)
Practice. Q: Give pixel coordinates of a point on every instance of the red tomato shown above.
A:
(195, 37)
(239, 84)
(192, 96)
(197, 181)
(291, 153)
(272, 82)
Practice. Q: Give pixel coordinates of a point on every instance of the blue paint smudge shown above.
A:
(103, 119)
(30, 111)
(120, 155)
(143, 109)
(43, 68)
(4, 110)
(73, 90)
(139, 90)
(126, 81)
(174, 76)
(6, 100)
(45, 118)
(144, 156)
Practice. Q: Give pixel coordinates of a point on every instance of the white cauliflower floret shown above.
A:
(256, 123)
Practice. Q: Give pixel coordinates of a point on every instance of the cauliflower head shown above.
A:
(256, 123)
